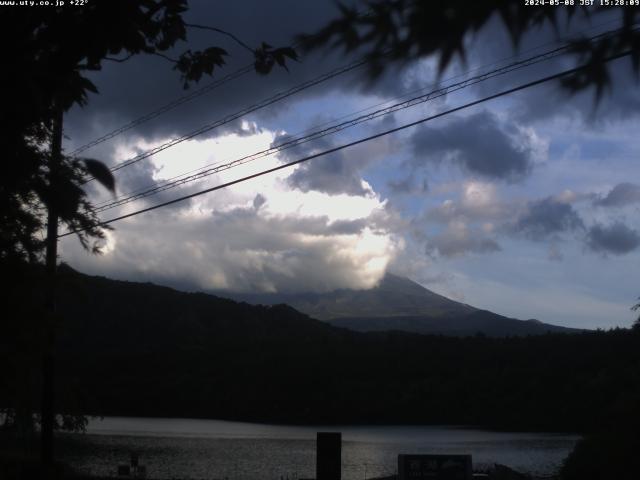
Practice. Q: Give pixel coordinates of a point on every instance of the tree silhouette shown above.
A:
(399, 31)
(50, 50)
(636, 324)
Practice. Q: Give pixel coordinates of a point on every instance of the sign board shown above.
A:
(328, 456)
(124, 470)
(434, 467)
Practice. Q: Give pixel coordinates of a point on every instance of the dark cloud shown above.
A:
(144, 83)
(408, 185)
(142, 177)
(478, 143)
(347, 227)
(545, 218)
(620, 195)
(138, 176)
(258, 201)
(616, 238)
(319, 226)
(334, 174)
(457, 239)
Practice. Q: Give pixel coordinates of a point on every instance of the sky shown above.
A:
(526, 205)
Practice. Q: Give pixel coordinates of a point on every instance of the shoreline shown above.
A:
(337, 425)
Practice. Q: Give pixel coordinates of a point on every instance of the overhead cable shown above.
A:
(351, 144)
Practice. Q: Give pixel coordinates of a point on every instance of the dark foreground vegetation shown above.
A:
(139, 349)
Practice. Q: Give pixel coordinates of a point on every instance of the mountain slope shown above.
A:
(394, 296)
(95, 307)
(477, 322)
(398, 303)
(137, 349)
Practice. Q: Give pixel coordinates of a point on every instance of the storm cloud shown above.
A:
(408, 185)
(336, 173)
(479, 144)
(126, 92)
(616, 238)
(332, 174)
(621, 195)
(546, 218)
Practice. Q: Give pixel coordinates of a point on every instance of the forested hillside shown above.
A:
(139, 349)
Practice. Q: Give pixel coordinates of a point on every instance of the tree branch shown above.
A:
(228, 34)
(162, 55)
(119, 60)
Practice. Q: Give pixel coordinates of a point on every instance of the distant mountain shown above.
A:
(394, 296)
(398, 303)
(478, 322)
(125, 348)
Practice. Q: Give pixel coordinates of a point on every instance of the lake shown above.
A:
(214, 449)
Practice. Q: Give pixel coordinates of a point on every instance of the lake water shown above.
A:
(213, 449)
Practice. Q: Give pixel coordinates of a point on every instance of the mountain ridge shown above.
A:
(126, 348)
(400, 304)
(393, 296)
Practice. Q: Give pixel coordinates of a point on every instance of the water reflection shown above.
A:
(186, 448)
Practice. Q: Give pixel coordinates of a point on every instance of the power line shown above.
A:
(209, 169)
(234, 116)
(295, 141)
(356, 142)
(195, 94)
(310, 129)
(184, 99)
(231, 117)
(165, 108)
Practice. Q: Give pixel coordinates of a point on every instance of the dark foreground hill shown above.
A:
(139, 349)
(398, 303)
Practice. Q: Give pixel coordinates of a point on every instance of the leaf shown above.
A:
(266, 57)
(289, 52)
(193, 65)
(101, 173)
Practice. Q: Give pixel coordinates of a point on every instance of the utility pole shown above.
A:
(48, 358)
